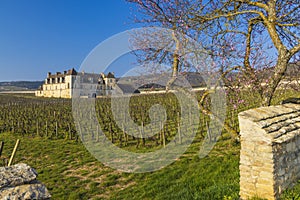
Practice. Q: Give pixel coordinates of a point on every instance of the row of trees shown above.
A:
(251, 42)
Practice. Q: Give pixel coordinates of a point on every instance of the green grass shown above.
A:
(64, 166)
(70, 172)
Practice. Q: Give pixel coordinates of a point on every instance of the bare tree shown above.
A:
(170, 14)
(248, 20)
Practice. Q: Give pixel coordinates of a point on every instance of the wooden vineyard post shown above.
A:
(163, 136)
(37, 128)
(125, 136)
(160, 134)
(91, 132)
(97, 133)
(1, 147)
(56, 131)
(70, 132)
(123, 133)
(142, 134)
(13, 126)
(13, 153)
(111, 134)
(120, 136)
(157, 138)
(24, 129)
(46, 129)
(201, 127)
(179, 133)
(80, 132)
(208, 131)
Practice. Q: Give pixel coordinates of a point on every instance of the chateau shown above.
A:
(63, 85)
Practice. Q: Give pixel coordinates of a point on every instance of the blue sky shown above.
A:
(37, 36)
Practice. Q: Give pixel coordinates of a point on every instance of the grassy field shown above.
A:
(70, 172)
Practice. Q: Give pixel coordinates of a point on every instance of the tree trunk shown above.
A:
(174, 72)
(175, 66)
(280, 69)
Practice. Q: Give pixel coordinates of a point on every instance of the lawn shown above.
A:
(70, 172)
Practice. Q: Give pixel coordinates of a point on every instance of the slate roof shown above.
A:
(110, 75)
(127, 88)
(83, 74)
(59, 74)
(72, 72)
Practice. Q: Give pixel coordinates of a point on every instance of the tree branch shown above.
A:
(230, 31)
(257, 4)
(228, 15)
(295, 49)
(291, 24)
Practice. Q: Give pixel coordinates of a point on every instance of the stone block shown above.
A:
(27, 191)
(16, 175)
(19, 182)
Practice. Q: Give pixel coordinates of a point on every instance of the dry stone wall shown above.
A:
(270, 150)
(19, 182)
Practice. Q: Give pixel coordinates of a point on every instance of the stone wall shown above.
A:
(19, 182)
(270, 150)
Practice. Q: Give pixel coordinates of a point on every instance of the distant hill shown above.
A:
(20, 85)
(156, 81)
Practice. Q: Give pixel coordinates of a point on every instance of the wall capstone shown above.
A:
(19, 182)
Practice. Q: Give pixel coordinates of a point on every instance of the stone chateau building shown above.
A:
(63, 85)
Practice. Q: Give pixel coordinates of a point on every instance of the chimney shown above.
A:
(49, 74)
(65, 72)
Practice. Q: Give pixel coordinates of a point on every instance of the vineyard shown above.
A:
(51, 142)
(53, 119)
